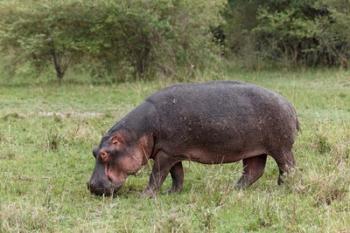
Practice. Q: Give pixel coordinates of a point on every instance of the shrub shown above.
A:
(139, 37)
(305, 32)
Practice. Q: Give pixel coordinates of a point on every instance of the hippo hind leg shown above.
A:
(177, 175)
(285, 161)
(253, 168)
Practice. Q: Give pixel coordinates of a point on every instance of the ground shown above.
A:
(48, 130)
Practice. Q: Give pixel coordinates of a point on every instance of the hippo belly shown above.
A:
(206, 157)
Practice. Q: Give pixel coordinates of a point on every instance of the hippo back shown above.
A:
(222, 115)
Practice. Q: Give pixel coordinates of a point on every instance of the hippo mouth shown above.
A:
(115, 183)
(103, 181)
(109, 190)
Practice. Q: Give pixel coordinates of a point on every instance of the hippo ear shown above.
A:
(104, 156)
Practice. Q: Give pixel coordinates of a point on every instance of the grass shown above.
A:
(47, 132)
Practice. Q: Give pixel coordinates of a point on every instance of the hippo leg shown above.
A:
(253, 168)
(285, 161)
(177, 175)
(161, 167)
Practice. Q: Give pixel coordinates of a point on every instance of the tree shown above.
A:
(140, 37)
(306, 32)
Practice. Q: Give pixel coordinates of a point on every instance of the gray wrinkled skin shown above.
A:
(213, 123)
(227, 121)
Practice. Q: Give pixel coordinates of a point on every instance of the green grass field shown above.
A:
(47, 132)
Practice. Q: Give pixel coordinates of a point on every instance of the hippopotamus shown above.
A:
(210, 123)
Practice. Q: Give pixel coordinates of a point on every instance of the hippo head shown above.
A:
(120, 154)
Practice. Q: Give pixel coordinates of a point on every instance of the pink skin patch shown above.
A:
(111, 176)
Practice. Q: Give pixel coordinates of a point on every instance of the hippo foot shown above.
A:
(242, 183)
(149, 193)
(240, 186)
(281, 179)
(174, 190)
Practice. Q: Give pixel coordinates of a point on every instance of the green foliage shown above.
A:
(306, 32)
(127, 37)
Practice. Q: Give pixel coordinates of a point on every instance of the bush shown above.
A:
(128, 37)
(305, 32)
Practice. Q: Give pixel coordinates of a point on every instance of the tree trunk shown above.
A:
(58, 66)
(57, 62)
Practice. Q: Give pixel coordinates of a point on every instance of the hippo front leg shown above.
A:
(161, 167)
(177, 175)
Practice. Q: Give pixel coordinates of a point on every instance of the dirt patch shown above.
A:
(73, 114)
(70, 114)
